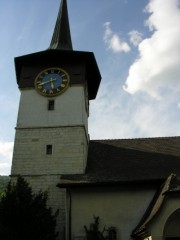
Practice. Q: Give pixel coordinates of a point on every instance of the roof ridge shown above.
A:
(130, 139)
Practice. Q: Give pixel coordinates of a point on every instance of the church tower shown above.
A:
(52, 126)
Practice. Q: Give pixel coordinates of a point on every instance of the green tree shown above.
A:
(25, 215)
(93, 233)
(3, 184)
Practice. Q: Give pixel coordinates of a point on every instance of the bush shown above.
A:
(93, 233)
(25, 215)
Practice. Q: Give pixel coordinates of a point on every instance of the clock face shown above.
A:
(52, 81)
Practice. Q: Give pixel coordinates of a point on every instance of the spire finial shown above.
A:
(61, 38)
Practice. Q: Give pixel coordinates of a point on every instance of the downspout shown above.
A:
(69, 214)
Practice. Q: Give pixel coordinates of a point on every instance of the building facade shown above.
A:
(52, 133)
(128, 184)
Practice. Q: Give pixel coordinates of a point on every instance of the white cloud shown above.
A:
(157, 66)
(113, 40)
(6, 149)
(124, 116)
(135, 37)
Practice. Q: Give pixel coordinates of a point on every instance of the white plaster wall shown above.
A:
(121, 207)
(158, 224)
(69, 109)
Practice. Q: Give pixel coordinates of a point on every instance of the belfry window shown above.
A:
(48, 149)
(51, 105)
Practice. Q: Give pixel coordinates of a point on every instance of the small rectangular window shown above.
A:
(51, 105)
(49, 149)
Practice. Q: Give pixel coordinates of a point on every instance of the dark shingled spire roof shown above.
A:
(61, 38)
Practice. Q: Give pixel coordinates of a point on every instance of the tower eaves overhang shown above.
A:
(93, 74)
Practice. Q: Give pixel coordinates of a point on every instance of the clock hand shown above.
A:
(52, 84)
(43, 83)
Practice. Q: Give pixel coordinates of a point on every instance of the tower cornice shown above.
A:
(51, 58)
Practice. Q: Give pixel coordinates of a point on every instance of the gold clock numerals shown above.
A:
(65, 80)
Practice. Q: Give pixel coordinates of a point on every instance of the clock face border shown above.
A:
(52, 81)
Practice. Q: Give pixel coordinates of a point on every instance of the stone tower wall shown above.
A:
(69, 151)
(43, 171)
(65, 129)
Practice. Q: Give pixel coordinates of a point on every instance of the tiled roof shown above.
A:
(128, 160)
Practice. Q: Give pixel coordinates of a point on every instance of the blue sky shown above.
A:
(137, 47)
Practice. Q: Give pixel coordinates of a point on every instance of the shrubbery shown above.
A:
(25, 215)
(94, 233)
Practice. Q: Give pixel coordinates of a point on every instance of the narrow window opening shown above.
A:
(49, 149)
(51, 105)
(112, 234)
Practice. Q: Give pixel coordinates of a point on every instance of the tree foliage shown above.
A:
(94, 233)
(25, 215)
(3, 184)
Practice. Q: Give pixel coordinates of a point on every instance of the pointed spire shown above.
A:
(61, 38)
